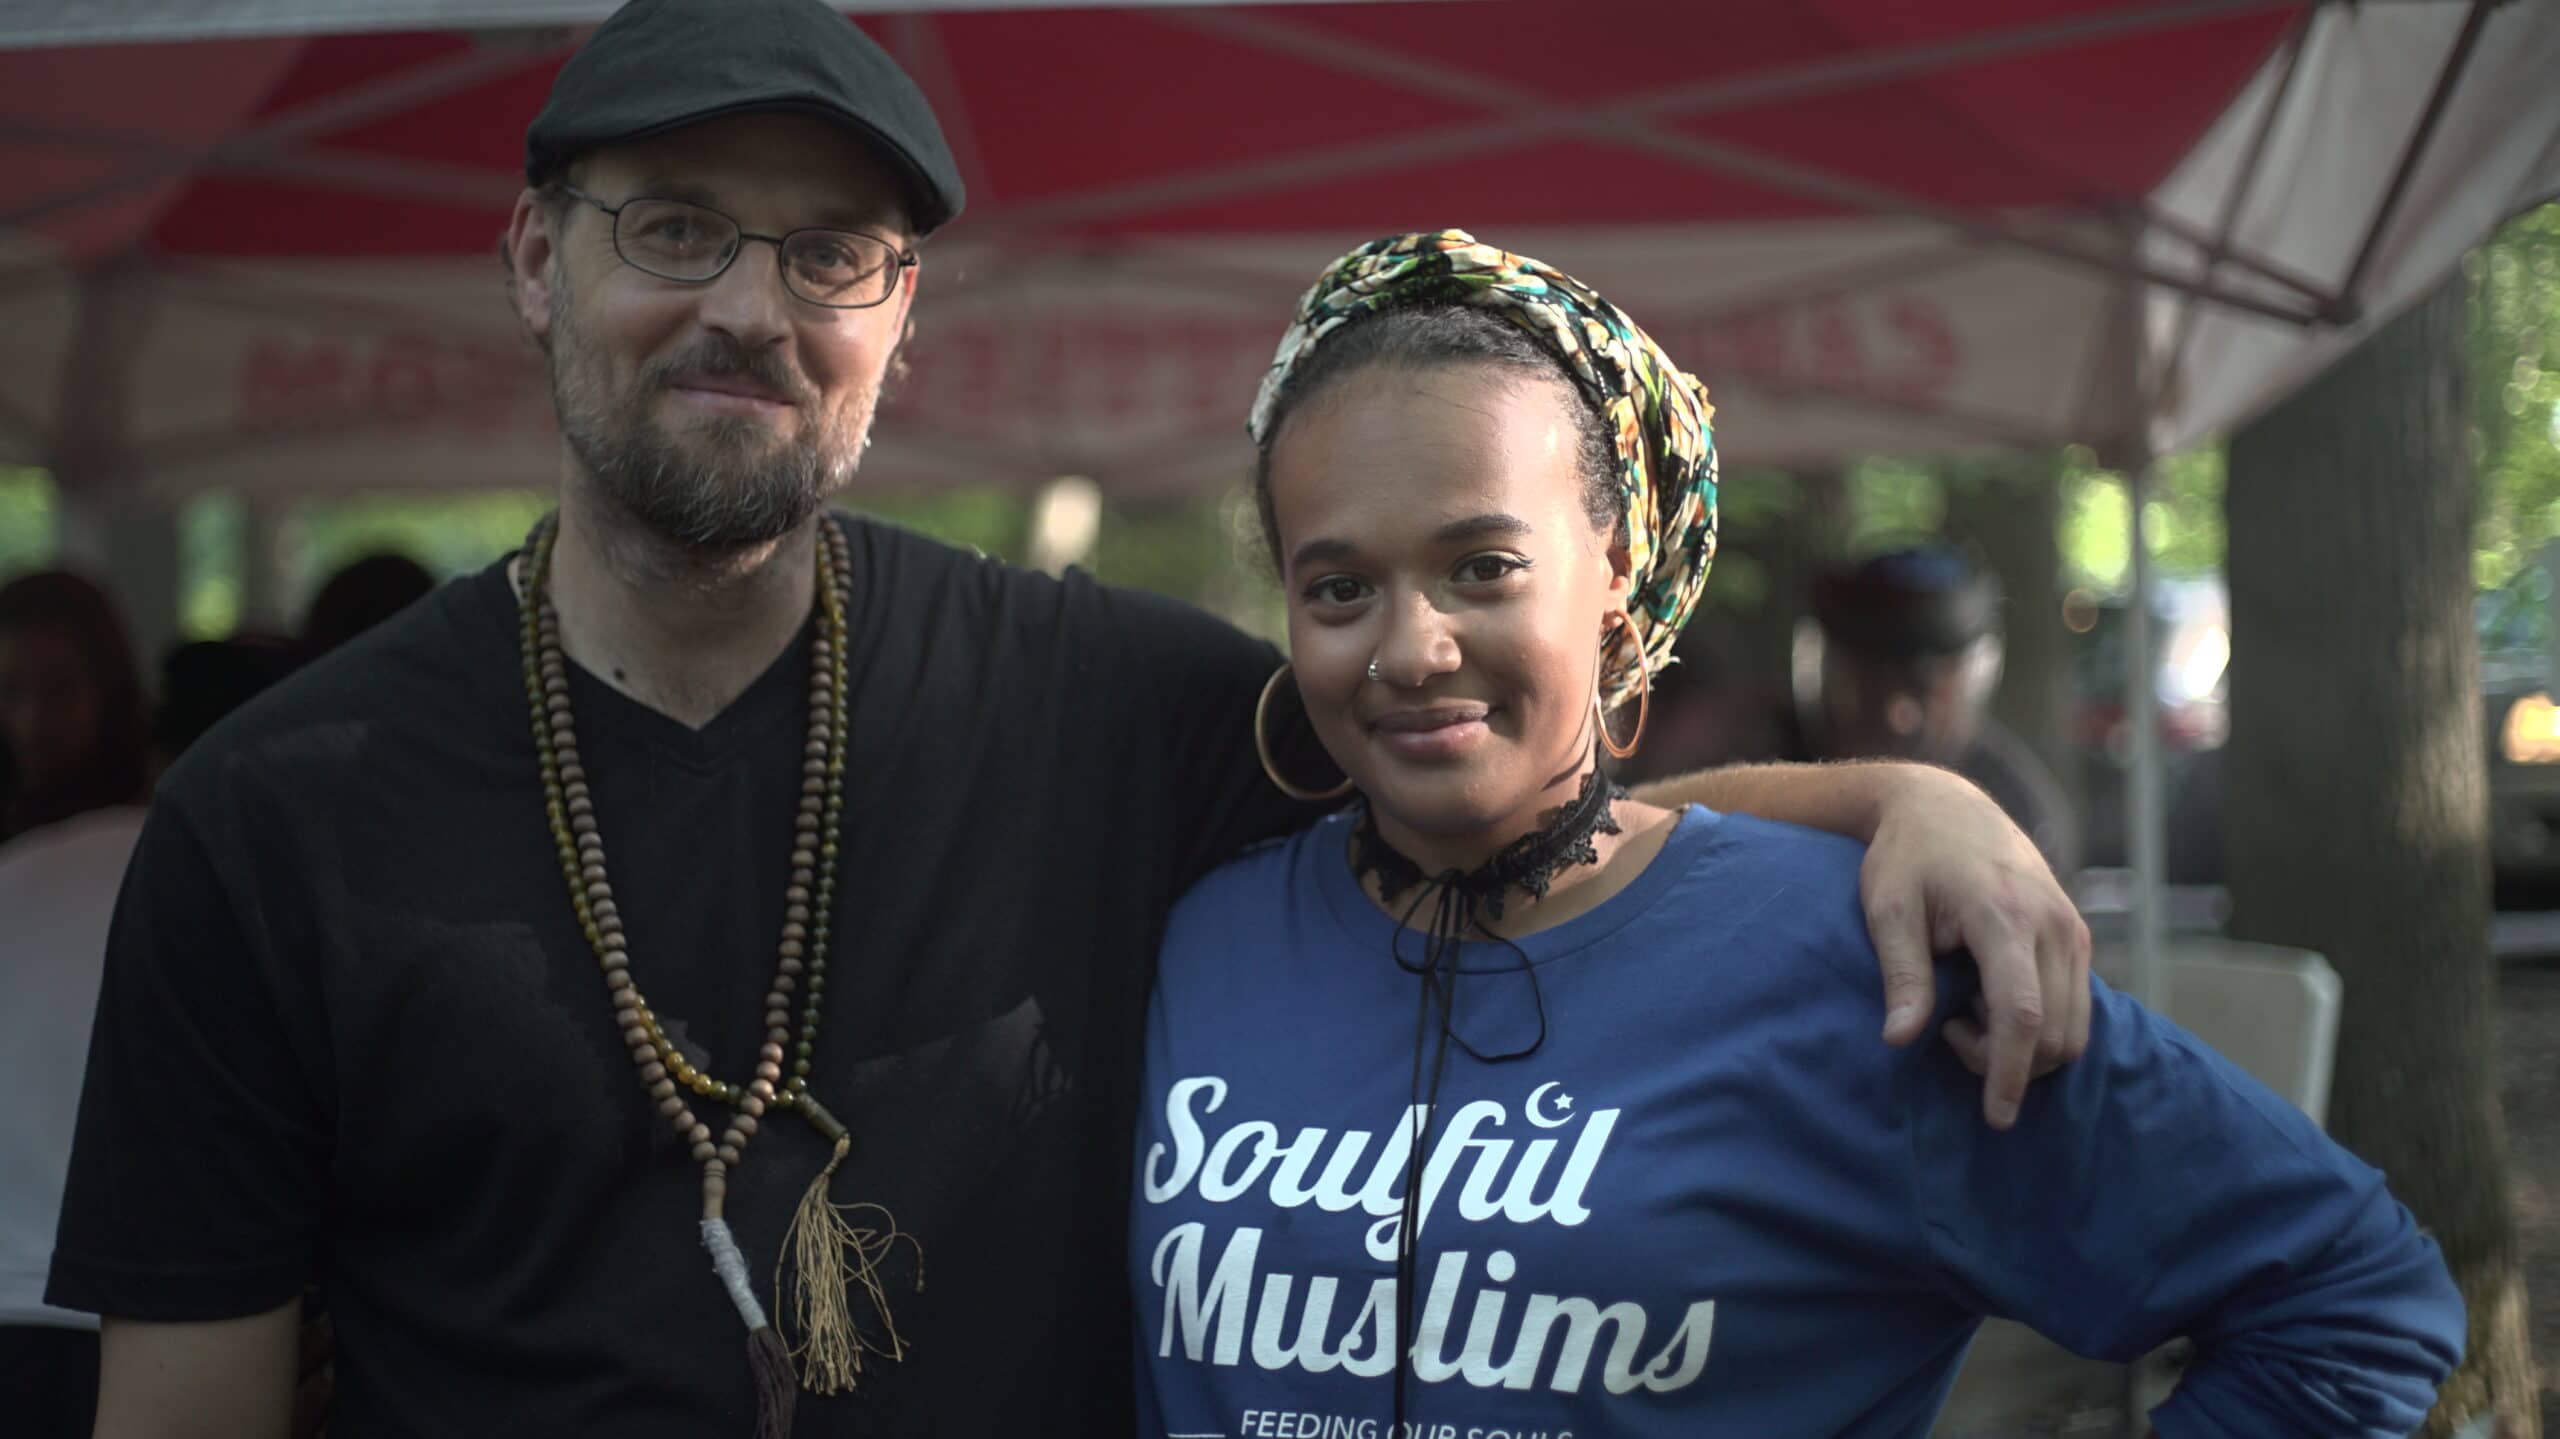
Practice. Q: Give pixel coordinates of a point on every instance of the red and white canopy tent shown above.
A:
(247, 244)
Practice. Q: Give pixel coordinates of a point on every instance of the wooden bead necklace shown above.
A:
(830, 1252)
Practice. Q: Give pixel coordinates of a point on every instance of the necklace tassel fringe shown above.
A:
(777, 1393)
(826, 1257)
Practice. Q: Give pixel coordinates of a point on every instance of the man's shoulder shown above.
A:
(422, 678)
(886, 541)
(916, 583)
(1054, 619)
(914, 565)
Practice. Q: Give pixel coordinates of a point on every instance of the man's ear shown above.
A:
(895, 373)
(531, 246)
(910, 279)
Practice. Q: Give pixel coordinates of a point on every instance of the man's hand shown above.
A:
(1946, 870)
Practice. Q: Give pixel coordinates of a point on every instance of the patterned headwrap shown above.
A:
(1657, 413)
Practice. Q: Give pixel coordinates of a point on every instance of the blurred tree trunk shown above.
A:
(2007, 512)
(2357, 813)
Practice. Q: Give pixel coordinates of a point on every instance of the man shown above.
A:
(371, 1010)
(1899, 662)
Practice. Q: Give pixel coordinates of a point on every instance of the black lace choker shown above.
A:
(1529, 864)
(1460, 901)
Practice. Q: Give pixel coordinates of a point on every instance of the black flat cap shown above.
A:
(657, 65)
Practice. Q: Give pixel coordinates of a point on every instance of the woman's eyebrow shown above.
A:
(1478, 527)
(1322, 552)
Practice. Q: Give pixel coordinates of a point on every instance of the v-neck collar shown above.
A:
(773, 698)
(607, 716)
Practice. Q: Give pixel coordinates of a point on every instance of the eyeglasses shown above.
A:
(693, 244)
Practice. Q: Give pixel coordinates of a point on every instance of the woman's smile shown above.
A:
(1433, 733)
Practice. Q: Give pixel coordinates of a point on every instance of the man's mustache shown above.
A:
(727, 359)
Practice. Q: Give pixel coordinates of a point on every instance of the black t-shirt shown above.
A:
(349, 1030)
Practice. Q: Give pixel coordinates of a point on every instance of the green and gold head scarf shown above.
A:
(1657, 412)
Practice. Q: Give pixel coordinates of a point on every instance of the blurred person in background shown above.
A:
(1899, 661)
(361, 595)
(71, 702)
(204, 680)
(72, 708)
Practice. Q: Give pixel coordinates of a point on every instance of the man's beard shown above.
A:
(725, 484)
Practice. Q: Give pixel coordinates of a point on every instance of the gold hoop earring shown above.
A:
(1644, 696)
(1262, 747)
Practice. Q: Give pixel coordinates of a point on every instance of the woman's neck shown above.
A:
(1621, 850)
(1438, 851)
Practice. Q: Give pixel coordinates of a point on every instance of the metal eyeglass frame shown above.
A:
(902, 259)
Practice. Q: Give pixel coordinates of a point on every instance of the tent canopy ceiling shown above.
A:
(254, 260)
(1201, 120)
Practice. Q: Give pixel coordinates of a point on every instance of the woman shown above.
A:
(72, 716)
(1503, 1105)
(71, 704)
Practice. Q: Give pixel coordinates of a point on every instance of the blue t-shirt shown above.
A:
(1710, 1200)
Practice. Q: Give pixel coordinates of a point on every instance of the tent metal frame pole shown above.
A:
(1623, 126)
(1970, 425)
(429, 80)
(359, 318)
(23, 426)
(1535, 120)
(2146, 850)
(2345, 305)
(1423, 75)
(2233, 253)
(1834, 282)
(1228, 287)
(2235, 202)
(1817, 184)
(430, 182)
(2147, 835)
(44, 274)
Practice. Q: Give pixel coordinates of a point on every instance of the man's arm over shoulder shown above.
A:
(1945, 870)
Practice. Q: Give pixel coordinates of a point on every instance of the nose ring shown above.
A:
(1373, 672)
